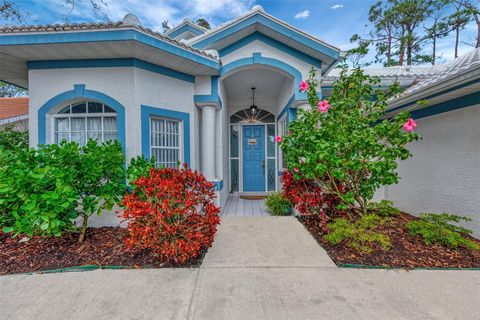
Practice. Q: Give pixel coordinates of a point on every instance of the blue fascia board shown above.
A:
(258, 18)
(273, 43)
(185, 28)
(258, 59)
(148, 111)
(454, 104)
(110, 63)
(79, 91)
(436, 94)
(102, 36)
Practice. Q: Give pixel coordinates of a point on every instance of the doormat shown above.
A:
(253, 197)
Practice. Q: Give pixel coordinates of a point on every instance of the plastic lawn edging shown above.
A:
(363, 266)
(91, 267)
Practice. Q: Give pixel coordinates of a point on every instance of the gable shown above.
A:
(257, 23)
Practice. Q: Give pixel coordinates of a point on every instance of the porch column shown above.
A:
(208, 142)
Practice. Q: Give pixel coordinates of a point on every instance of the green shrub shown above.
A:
(384, 208)
(361, 234)
(11, 139)
(35, 197)
(139, 167)
(44, 191)
(438, 229)
(278, 205)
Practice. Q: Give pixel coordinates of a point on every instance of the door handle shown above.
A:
(263, 166)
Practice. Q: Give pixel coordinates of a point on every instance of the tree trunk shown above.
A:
(434, 50)
(83, 230)
(477, 21)
(409, 50)
(457, 37)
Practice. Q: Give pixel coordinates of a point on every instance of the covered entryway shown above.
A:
(256, 96)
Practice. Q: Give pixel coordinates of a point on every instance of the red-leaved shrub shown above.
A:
(308, 198)
(172, 212)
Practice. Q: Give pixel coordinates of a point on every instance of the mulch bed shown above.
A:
(102, 247)
(406, 251)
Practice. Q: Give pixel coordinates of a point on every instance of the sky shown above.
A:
(333, 21)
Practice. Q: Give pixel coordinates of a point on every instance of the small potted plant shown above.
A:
(278, 205)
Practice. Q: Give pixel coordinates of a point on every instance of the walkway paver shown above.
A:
(265, 242)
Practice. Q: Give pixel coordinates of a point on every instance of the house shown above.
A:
(216, 98)
(14, 113)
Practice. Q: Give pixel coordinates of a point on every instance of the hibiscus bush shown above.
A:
(308, 197)
(172, 212)
(345, 146)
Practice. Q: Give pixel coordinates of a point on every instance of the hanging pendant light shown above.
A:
(253, 107)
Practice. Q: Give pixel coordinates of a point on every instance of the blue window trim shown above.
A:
(258, 18)
(273, 43)
(147, 112)
(213, 96)
(218, 185)
(258, 59)
(110, 63)
(101, 36)
(185, 28)
(79, 92)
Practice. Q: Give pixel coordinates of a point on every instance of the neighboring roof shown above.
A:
(186, 27)
(257, 20)
(13, 107)
(459, 77)
(406, 75)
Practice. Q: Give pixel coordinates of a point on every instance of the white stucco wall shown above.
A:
(444, 173)
(268, 52)
(131, 87)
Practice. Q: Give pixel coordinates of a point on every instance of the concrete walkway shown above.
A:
(256, 270)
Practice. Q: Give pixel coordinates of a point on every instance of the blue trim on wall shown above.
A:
(147, 112)
(273, 43)
(437, 94)
(287, 107)
(184, 28)
(258, 59)
(258, 18)
(218, 185)
(213, 97)
(109, 63)
(79, 91)
(454, 104)
(101, 36)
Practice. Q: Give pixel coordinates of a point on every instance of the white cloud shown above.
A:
(337, 6)
(302, 14)
(153, 12)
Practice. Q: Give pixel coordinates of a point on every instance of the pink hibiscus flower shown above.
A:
(323, 106)
(278, 139)
(296, 170)
(304, 86)
(410, 125)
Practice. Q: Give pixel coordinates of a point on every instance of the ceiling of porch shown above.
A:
(267, 83)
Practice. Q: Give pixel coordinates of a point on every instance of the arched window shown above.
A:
(246, 116)
(85, 120)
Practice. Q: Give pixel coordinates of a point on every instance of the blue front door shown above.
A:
(253, 158)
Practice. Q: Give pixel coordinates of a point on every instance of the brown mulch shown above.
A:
(406, 251)
(102, 247)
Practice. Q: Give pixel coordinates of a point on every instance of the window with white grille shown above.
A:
(85, 120)
(165, 142)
